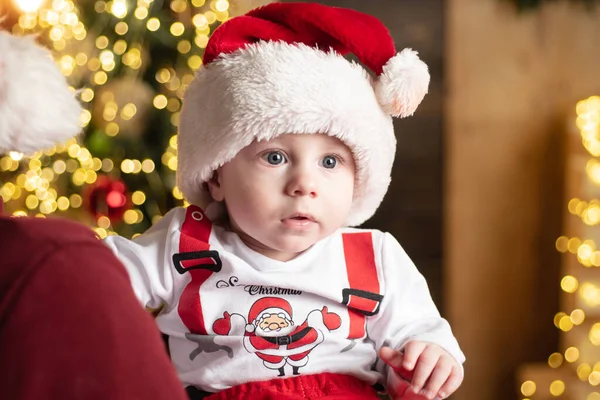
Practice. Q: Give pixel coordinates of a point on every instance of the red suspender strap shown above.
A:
(195, 258)
(363, 297)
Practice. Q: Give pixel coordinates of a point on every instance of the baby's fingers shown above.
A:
(425, 366)
(438, 377)
(451, 384)
(412, 352)
(391, 357)
(395, 359)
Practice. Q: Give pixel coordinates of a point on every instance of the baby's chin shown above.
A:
(280, 248)
(286, 253)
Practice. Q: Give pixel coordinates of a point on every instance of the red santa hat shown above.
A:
(280, 69)
(37, 109)
(268, 305)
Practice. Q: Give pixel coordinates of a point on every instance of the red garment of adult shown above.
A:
(70, 325)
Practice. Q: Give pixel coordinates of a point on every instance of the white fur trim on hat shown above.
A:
(403, 84)
(37, 109)
(272, 88)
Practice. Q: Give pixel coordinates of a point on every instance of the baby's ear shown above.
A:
(214, 187)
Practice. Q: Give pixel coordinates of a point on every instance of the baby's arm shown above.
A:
(147, 260)
(411, 326)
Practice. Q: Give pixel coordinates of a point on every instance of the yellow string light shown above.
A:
(175, 119)
(163, 75)
(128, 111)
(173, 142)
(200, 21)
(138, 198)
(120, 47)
(177, 193)
(76, 201)
(137, 167)
(127, 166)
(102, 234)
(571, 354)
(121, 28)
(583, 371)
(594, 378)
(107, 165)
(119, 8)
(178, 6)
(594, 335)
(177, 29)
(29, 6)
(141, 13)
(153, 24)
(554, 361)
(528, 388)
(112, 129)
(573, 245)
(172, 164)
(100, 78)
(557, 388)
(148, 166)
(184, 46)
(87, 95)
(577, 316)
(221, 5)
(160, 101)
(211, 17)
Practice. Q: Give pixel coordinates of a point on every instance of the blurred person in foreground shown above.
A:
(70, 325)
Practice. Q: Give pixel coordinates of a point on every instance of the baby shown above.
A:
(260, 286)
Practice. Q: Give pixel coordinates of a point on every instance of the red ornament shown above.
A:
(107, 197)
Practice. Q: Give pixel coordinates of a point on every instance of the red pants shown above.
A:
(313, 387)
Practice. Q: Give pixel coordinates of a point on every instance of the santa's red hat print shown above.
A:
(281, 69)
(265, 307)
(37, 108)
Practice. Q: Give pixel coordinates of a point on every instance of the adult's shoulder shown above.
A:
(25, 232)
(26, 243)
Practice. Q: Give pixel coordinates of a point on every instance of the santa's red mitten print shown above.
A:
(331, 320)
(222, 326)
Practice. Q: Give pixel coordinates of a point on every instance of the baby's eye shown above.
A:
(329, 162)
(274, 158)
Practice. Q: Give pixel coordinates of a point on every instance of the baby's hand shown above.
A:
(429, 368)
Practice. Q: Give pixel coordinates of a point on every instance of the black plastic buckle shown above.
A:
(346, 293)
(208, 260)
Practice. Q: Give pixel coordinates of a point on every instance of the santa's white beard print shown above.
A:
(274, 330)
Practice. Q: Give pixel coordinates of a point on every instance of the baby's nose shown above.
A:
(302, 183)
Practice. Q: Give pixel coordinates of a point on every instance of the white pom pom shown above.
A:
(37, 109)
(250, 328)
(403, 84)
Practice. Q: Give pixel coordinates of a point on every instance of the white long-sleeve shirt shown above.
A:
(215, 295)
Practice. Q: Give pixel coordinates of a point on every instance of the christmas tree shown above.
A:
(130, 62)
(574, 371)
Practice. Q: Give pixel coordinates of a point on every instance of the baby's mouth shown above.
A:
(299, 220)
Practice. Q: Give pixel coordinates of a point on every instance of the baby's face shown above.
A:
(286, 194)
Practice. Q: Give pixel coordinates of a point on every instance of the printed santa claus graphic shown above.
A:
(270, 332)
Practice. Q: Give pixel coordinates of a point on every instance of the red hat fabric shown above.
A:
(343, 30)
(280, 69)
